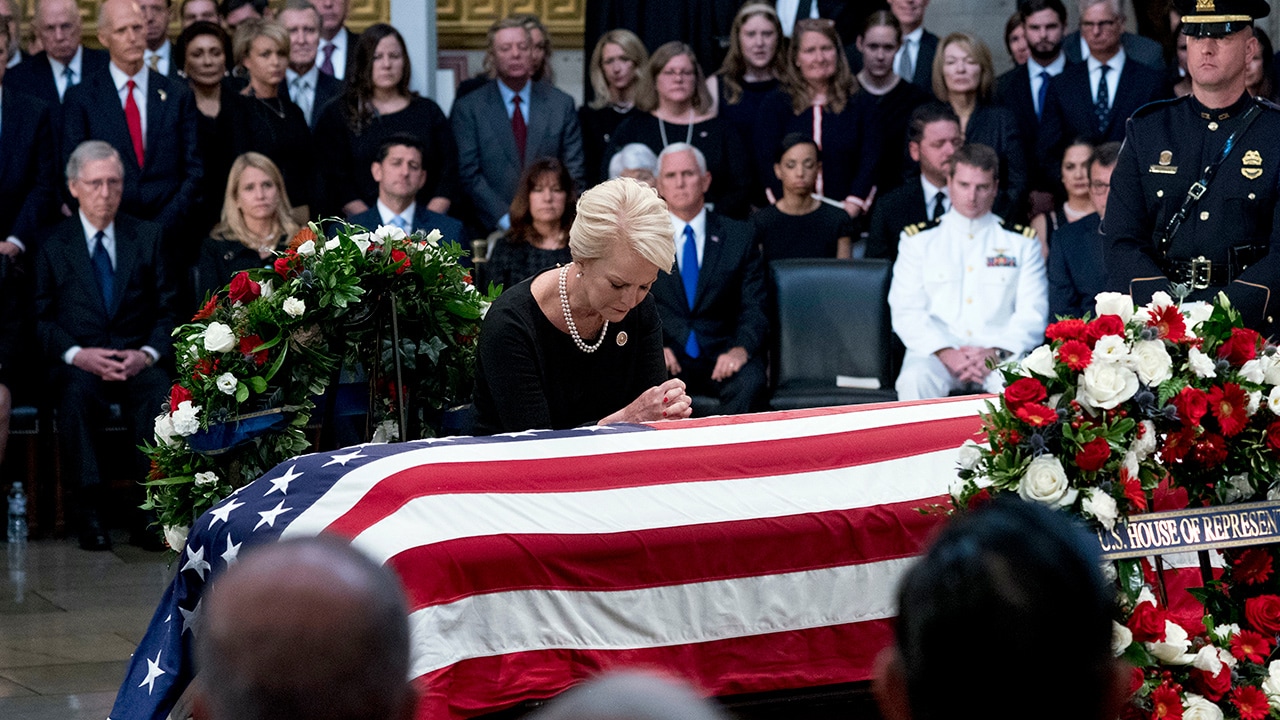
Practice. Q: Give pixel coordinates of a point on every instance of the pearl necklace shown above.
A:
(568, 318)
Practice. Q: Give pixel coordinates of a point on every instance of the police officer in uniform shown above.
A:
(1195, 199)
(967, 289)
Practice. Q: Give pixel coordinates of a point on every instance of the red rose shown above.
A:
(1023, 391)
(1147, 623)
(1133, 491)
(1093, 454)
(1166, 703)
(1075, 355)
(243, 289)
(1037, 415)
(1263, 613)
(1209, 685)
(1241, 347)
(401, 258)
(1251, 566)
(206, 312)
(1273, 435)
(1251, 702)
(247, 345)
(1169, 323)
(284, 266)
(1251, 646)
(1105, 325)
(204, 368)
(1229, 403)
(1210, 450)
(178, 395)
(1073, 329)
(1136, 679)
(1191, 404)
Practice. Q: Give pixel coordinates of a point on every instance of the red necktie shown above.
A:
(518, 129)
(133, 119)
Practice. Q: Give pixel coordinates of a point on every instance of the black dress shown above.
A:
(349, 155)
(813, 235)
(744, 117)
(513, 261)
(851, 142)
(530, 375)
(220, 260)
(278, 129)
(895, 109)
(213, 138)
(598, 126)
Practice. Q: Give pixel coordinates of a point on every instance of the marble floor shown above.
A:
(69, 620)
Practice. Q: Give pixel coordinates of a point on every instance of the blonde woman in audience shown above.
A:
(617, 80)
(752, 69)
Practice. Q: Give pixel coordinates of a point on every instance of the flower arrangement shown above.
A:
(1159, 407)
(251, 361)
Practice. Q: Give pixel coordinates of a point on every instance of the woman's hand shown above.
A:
(667, 401)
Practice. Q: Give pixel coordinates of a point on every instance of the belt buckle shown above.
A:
(1200, 269)
(1197, 190)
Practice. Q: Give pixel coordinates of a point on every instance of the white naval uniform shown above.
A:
(964, 282)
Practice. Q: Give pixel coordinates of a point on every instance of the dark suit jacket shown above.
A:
(327, 88)
(924, 59)
(69, 309)
(1136, 47)
(28, 168)
(166, 188)
(1077, 267)
(34, 75)
(900, 207)
(423, 219)
(997, 128)
(488, 162)
(1013, 91)
(729, 310)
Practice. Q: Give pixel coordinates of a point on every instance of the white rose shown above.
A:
(1253, 371)
(1045, 481)
(1271, 369)
(1202, 365)
(1039, 362)
(1226, 657)
(266, 288)
(1255, 402)
(186, 418)
(387, 431)
(1173, 650)
(1131, 464)
(1159, 299)
(294, 307)
(1195, 707)
(206, 478)
(1111, 348)
(1103, 386)
(434, 236)
(307, 248)
(1121, 638)
(219, 337)
(1223, 633)
(176, 536)
(332, 244)
(1142, 316)
(484, 308)
(389, 232)
(1145, 445)
(226, 382)
(1113, 303)
(1196, 312)
(1152, 362)
(164, 432)
(1207, 660)
(970, 454)
(1271, 686)
(1102, 507)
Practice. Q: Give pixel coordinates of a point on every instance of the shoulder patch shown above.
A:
(1155, 105)
(916, 228)
(1024, 230)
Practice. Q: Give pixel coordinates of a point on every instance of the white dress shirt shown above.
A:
(59, 72)
(930, 192)
(302, 89)
(910, 44)
(787, 14)
(1113, 75)
(1034, 69)
(121, 81)
(108, 244)
(387, 214)
(699, 225)
(341, 43)
(162, 55)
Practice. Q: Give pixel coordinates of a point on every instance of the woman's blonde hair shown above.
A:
(843, 83)
(734, 67)
(623, 210)
(980, 53)
(232, 225)
(633, 49)
(254, 28)
(648, 101)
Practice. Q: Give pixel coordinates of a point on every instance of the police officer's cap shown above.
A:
(1217, 18)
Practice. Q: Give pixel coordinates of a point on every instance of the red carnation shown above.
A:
(1251, 566)
(1177, 445)
(1037, 415)
(1169, 323)
(204, 367)
(1075, 355)
(1209, 685)
(1147, 622)
(1251, 646)
(1191, 404)
(1023, 391)
(284, 266)
(978, 499)
(1133, 491)
(400, 258)
(178, 395)
(206, 312)
(243, 289)
(1166, 703)
(1263, 613)
(304, 234)
(1273, 435)
(1251, 702)
(1093, 454)
(1073, 329)
(1105, 325)
(247, 345)
(1241, 347)
(1210, 450)
(1229, 404)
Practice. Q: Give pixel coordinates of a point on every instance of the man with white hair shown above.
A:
(64, 62)
(1141, 49)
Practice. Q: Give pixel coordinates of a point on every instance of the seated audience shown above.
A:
(895, 98)
(373, 106)
(194, 11)
(1015, 39)
(820, 98)
(509, 123)
(995, 582)
(583, 344)
(257, 220)
(635, 161)
(1077, 257)
(264, 119)
(541, 216)
(799, 225)
(616, 79)
(966, 289)
(678, 108)
(1079, 202)
(933, 135)
(714, 325)
(1260, 73)
(104, 317)
(631, 695)
(64, 62)
(751, 70)
(400, 169)
(307, 87)
(28, 195)
(318, 607)
(204, 49)
(963, 77)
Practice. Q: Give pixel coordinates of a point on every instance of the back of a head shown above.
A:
(304, 629)
(1007, 597)
(631, 695)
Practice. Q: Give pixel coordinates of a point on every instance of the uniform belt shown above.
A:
(1199, 273)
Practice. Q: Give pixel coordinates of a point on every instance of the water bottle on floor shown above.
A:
(17, 514)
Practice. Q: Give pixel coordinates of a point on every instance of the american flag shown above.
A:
(746, 554)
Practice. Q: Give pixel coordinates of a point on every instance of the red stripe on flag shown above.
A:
(776, 415)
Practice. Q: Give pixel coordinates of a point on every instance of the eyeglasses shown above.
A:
(1099, 25)
(680, 74)
(1096, 186)
(97, 185)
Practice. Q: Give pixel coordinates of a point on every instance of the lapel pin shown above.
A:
(164, 96)
(622, 338)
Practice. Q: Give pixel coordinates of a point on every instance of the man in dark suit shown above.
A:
(713, 318)
(11, 18)
(149, 118)
(159, 51)
(64, 62)
(1025, 88)
(28, 157)
(933, 135)
(307, 87)
(103, 315)
(400, 171)
(337, 43)
(1139, 49)
(508, 124)
(914, 60)
(1077, 258)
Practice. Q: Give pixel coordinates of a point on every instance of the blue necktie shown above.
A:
(689, 275)
(1102, 105)
(102, 270)
(1044, 92)
(400, 223)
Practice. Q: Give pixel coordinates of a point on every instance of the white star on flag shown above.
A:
(196, 561)
(191, 618)
(344, 459)
(233, 552)
(223, 512)
(153, 672)
(282, 483)
(269, 516)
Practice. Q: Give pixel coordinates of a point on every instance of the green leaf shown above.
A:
(242, 392)
(257, 383)
(275, 366)
(171, 481)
